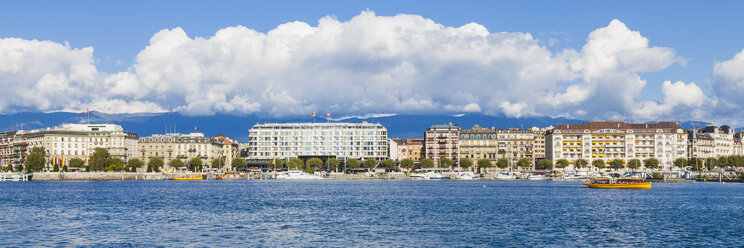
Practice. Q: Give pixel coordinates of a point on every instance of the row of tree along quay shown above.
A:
(102, 161)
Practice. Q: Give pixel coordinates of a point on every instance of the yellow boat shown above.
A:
(619, 183)
(187, 177)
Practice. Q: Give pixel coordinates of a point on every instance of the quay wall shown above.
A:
(96, 176)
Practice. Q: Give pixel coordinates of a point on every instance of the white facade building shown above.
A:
(80, 140)
(665, 141)
(341, 140)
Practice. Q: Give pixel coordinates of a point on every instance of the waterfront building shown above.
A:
(711, 142)
(13, 148)
(479, 143)
(410, 149)
(69, 141)
(738, 148)
(335, 139)
(392, 150)
(442, 141)
(539, 144)
(608, 140)
(515, 144)
(184, 147)
(230, 150)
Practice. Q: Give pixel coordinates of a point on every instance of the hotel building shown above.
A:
(607, 141)
(71, 141)
(711, 142)
(341, 140)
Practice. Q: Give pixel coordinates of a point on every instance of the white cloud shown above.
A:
(369, 64)
(729, 85)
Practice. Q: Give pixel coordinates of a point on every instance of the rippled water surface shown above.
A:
(367, 213)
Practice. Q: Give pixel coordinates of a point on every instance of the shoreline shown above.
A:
(154, 176)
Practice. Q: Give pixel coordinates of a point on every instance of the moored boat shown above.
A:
(535, 176)
(465, 176)
(297, 175)
(505, 176)
(187, 177)
(619, 183)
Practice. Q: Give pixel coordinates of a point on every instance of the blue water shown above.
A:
(367, 213)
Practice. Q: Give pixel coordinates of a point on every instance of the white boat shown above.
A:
(536, 177)
(465, 176)
(504, 176)
(296, 175)
(572, 176)
(428, 176)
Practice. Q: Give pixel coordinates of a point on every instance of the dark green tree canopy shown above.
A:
(466, 163)
(407, 163)
(426, 163)
(196, 164)
(36, 159)
(238, 163)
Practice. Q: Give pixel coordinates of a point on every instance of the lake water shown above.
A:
(367, 213)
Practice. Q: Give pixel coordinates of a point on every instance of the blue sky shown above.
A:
(700, 33)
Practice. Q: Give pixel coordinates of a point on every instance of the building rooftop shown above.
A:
(619, 125)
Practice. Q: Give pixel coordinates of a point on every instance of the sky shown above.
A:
(594, 60)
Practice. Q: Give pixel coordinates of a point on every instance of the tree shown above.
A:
(723, 162)
(312, 164)
(680, 162)
(218, 163)
(55, 168)
(484, 164)
(388, 164)
(445, 162)
(545, 164)
(98, 161)
(696, 163)
(710, 163)
(502, 163)
(466, 163)
(295, 164)
(77, 163)
(35, 160)
(426, 163)
(64, 168)
(407, 163)
(561, 163)
(352, 163)
(617, 164)
(134, 164)
(155, 164)
(634, 164)
(238, 163)
(177, 163)
(598, 163)
(115, 164)
(736, 160)
(524, 163)
(580, 163)
(370, 163)
(651, 163)
(332, 163)
(196, 165)
(277, 163)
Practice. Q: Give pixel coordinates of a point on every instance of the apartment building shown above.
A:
(479, 143)
(184, 147)
(442, 141)
(410, 149)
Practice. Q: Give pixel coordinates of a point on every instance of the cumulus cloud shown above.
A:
(729, 76)
(368, 64)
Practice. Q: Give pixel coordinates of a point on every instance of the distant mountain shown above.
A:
(399, 126)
